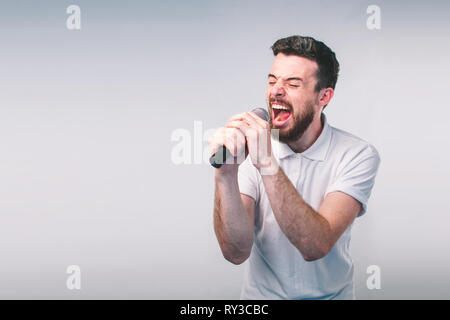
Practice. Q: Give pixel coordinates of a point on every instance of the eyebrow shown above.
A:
(288, 79)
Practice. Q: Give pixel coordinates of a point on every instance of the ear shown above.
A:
(325, 95)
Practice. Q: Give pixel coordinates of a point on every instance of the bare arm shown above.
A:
(233, 212)
(233, 219)
(313, 233)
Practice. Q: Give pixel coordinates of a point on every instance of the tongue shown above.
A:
(281, 118)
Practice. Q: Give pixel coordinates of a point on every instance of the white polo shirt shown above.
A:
(337, 161)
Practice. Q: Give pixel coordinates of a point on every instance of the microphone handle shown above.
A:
(219, 157)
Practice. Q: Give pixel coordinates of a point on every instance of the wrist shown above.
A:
(227, 176)
(268, 167)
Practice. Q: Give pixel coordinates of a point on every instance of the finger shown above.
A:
(234, 141)
(217, 140)
(246, 118)
(244, 126)
(263, 123)
(252, 121)
(238, 116)
(251, 134)
(239, 124)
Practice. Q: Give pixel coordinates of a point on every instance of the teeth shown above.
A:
(278, 107)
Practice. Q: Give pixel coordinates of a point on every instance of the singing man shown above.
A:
(289, 207)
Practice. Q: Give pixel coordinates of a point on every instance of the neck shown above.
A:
(310, 136)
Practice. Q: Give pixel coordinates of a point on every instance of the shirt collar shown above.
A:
(317, 151)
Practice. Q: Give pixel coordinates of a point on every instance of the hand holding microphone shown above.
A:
(242, 135)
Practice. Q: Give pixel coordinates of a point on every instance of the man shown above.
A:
(289, 207)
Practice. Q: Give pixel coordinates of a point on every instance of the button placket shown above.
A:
(299, 179)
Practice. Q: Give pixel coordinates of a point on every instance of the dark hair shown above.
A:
(310, 48)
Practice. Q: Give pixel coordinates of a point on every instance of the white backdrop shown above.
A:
(87, 117)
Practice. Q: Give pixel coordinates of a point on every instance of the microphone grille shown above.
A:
(262, 113)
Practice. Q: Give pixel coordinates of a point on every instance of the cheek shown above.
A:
(300, 100)
(267, 93)
(297, 104)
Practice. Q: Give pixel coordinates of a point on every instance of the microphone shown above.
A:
(221, 155)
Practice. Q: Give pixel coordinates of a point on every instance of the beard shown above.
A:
(301, 122)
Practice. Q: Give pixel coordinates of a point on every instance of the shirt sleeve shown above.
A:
(357, 178)
(248, 180)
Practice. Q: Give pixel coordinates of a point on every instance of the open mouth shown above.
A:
(280, 115)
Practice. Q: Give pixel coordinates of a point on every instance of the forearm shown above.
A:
(305, 228)
(232, 226)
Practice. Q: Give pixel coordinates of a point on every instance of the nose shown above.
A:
(277, 90)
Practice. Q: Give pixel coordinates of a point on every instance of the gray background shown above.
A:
(86, 118)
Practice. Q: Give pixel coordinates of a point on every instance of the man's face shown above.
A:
(291, 97)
